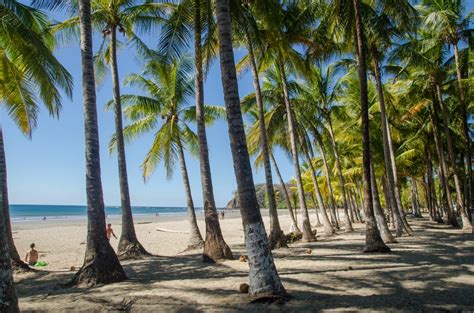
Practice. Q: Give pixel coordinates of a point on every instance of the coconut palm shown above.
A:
(446, 20)
(263, 276)
(282, 26)
(101, 264)
(112, 18)
(381, 28)
(164, 110)
(188, 19)
(29, 74)
(250, 37)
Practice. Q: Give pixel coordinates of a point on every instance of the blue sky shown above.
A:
(50, 168)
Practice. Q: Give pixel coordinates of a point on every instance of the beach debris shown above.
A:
(243, 258)
(72, 268)
(308, 251)
(244, 288)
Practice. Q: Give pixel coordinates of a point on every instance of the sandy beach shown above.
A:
(432, 270)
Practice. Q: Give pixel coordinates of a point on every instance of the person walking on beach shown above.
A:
(31, 256)
(110, 232)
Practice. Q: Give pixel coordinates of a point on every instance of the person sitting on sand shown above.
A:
(31, 256)
(110, 232)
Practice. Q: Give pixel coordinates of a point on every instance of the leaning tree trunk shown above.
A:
(379, 216)
(17, 262)
(294, 225)
(467, 139)
(451, 219)
(277, 237)
(215, 248)
(101, 264)
(328, 229)
(129, 247)
(195, 239)
(396, 189)
(414, 199)
(373, 241)
(263, 276)
(332, 201)
(386, 151)
(391, 216)
(8, 298)
(308, 235)
(339, 173)
(431, 186)
(466, 223)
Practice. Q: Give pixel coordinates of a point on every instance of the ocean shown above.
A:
(28, 212)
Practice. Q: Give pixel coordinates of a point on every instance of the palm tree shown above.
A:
(252, 41)
(283, 26)
(101, 264)
(263, 276)
(168, 85)
(29, 74)
(8, 299)
(380, 31)
(109, 17)
(195, 17)
(319, 92)
(275, 130)
(445, 19)
(373, 241)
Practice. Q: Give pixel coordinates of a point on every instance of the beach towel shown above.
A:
(41, 264)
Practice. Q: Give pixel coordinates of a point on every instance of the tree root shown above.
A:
(96, 272)
(132, 251)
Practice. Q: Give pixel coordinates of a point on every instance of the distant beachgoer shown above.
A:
(44, 218)
(110, 232)
(223, 213)
(31, 256)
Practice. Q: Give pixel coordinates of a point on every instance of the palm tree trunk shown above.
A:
(466, 223)
(129, 247)
(415, 201)
(386, 151)
(431, 186)
(339, 173)
(195, 239)
(448, 209)
(467, 139)
(277, 237)
(215, 248)
(313, 201)
(373, 241)
(17, 262)
(101, 264)
(263, 276)
(396, 189)
(328, 229)
(379, 216)
(391, 216)
(294, 225)
(332, 201)
(428, 193)
(307, 232)
(8, 298)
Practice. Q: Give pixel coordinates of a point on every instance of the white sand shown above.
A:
(433, 270)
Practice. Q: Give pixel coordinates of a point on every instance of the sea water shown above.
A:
(28, 212)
